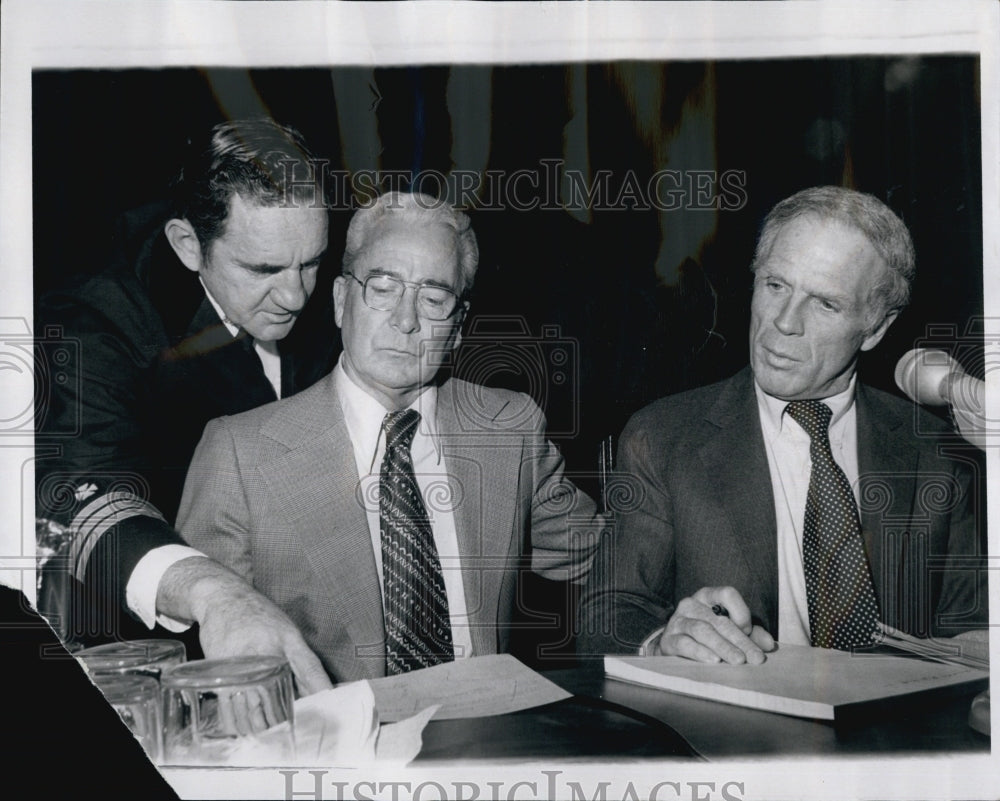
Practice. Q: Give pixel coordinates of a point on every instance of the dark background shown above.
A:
(905, 129)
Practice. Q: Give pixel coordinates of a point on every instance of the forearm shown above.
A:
(566, 526)
(616, 612)
(234, 619)
(964, 600)
(90, 585)
(615, 622)
(192, 587)
(630, 591)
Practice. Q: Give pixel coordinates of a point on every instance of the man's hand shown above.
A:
(695, 631)
(236, 620)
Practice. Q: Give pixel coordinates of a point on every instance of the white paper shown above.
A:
(466, 688)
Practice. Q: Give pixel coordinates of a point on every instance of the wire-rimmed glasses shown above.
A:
(383, 292)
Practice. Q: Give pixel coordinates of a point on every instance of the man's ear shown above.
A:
(182, 238)
(876, 336)
(339, 295)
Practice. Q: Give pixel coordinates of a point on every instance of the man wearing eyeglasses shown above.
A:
(389, 510)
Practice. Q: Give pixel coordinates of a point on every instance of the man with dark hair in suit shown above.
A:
(791, 501)
(390, 510)
(194, 319)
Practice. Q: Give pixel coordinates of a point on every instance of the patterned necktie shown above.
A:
(417, 628)
(843, 612)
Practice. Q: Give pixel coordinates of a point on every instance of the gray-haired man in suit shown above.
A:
(742, 535)
(303, 498)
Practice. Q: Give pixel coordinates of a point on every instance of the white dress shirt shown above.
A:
(143, 584)
(363, 416)
(787, 447)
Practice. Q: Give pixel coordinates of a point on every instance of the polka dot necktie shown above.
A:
(843, 612)
(417, 627)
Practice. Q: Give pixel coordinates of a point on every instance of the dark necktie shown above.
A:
(843, 612)
(417, 628)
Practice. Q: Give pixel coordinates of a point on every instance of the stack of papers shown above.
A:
(797, 680)
(971, 651)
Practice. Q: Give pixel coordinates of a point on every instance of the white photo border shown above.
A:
(118, 34)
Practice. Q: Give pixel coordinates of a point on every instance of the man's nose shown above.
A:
(290, 290)
(404, 317)
(788, 319)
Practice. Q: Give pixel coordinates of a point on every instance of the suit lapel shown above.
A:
(736, 465)
(228, 361)
(888, 465)
(315, 484)
(209, 362)
(480, 464)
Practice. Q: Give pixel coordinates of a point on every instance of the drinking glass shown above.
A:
(146, 657)
(137, 701)
(229, 711)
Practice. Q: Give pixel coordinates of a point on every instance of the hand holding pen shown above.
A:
(714, 625)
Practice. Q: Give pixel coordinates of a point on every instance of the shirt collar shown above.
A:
(773, 409)
(230, 326)
(364, 415)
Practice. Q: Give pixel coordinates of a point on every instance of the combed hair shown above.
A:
(863, 213)
(259, 159)
(420, 209)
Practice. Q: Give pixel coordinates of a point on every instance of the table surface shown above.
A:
(610, 718)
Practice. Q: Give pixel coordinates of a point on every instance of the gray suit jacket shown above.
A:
(273, 494)
(702, 514)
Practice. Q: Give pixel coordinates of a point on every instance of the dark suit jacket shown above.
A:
(703, 515)
(137, 361)
(274, 494)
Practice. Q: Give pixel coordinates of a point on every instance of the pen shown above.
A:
(720, 610)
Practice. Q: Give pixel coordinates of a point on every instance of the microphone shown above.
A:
(933, 378)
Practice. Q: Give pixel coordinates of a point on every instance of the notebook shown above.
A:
(798, 680)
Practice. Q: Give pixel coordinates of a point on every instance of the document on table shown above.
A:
(796, 680)
(465, 688)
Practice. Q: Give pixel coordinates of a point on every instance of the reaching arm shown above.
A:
(94, 478)
(236, 620)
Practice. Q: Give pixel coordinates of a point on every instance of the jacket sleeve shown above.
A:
(565, 523)
(214, 516)
(92, 479)
(630, 589)
(963, 603)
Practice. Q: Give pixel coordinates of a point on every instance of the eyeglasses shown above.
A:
(383, 293)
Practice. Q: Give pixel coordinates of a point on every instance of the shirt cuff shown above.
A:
(648, 647)
(143, 584)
